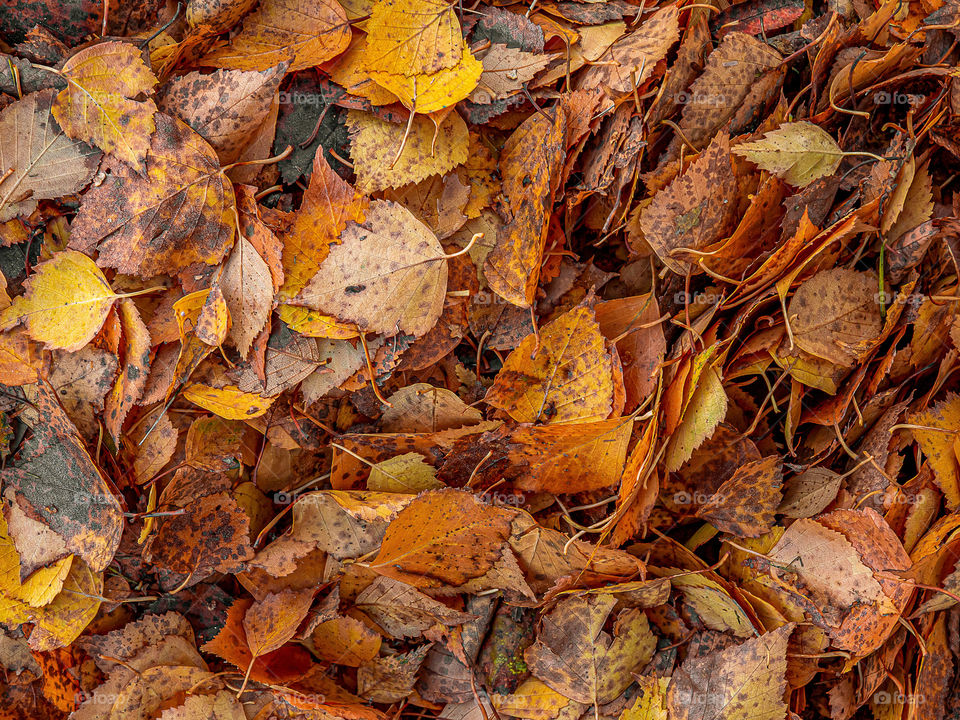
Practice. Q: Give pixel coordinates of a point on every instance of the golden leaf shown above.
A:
(311, 31)
(66, 302)
(97, 105)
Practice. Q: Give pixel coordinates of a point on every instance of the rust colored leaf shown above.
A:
(179, 214)
(421, 551)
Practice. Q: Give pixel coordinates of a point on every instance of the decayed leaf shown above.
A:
(530, 165)
(97, 105)
(505, 71)
(427, 150)
(729, 74)
(388, 274)
(403, 611)
(81, 381)
(834, 577)
(133, 377)
(694, 210)
(421, 407)
(46, 163)
(577, 658)
(302, 32)
(66, 302)
(345, 524)
(58, 483)
(630, 61)
(444, 537)
(745, 680)
(835, 315)
(179, 214)
(390, 679)
(799, 152)
(225, 107)
(271, 622)
(806, 494)
(564, 375)
(746, 503)
(213, 534)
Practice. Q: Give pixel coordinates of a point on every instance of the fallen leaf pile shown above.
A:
(409, 359)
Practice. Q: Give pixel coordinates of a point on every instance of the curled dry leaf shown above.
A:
(530, 165)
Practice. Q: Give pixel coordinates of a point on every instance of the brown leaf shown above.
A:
(746, 503)
(46, 163)
(179, 214)
(530, 165)
(694, 210)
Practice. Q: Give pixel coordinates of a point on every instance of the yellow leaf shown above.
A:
(651, 702)
(44, 584)
(60, 622)
(66, 302)
(537, 701)
(314, 324)
(436, 91)
(937, 443)
(97, 106)
(799, 152)
(229, 402)
(707, 406)
(312, 31)
(350, 72)
(328, 204)
(407, 473)
(428, 150)
(413, 36)
(564, 375)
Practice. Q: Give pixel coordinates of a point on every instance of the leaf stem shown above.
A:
(146, 291)
(476, 236)
(266, 161)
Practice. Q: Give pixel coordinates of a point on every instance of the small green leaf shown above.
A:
(799, 152)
